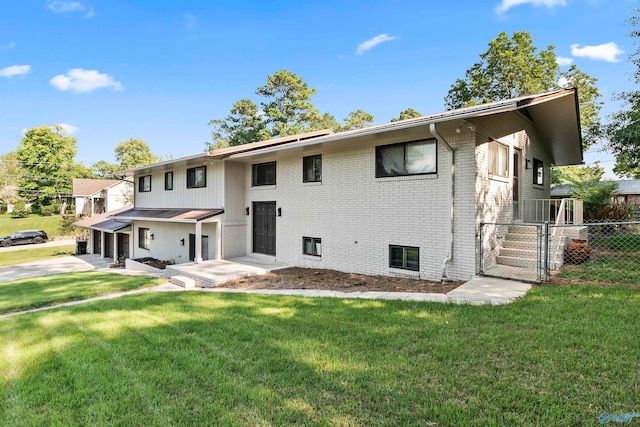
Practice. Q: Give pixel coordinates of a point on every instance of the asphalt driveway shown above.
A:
(67, 264)
(63, 242)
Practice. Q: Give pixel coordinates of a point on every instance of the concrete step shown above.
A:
(520, 244)
(185, 282)
(523, 229)
(519, 253)
(521, 237)
(516, 262)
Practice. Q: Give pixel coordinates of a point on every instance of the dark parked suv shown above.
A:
(24, 237)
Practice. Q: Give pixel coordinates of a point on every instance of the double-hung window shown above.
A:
(263, 174)
(197, 177)
(538, 172)
(312, 168)
(144, 184)
(144, 238)
(168, 181)
(404, 257)
(407, 158)
(498, 159)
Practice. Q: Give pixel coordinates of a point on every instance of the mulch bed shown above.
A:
(319, 279)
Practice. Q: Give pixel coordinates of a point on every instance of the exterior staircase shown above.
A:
(519, 247)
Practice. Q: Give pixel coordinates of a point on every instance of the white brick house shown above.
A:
(401, 198)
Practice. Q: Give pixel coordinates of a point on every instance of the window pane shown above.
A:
(264, 174)
(312, 168)
(421, 157)
(391, 160)
(307, 246)
(413, 258)
(200, 177)
(396, 255)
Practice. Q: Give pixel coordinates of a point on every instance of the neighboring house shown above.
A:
(404, 198)
(628, 192)
(94, 196)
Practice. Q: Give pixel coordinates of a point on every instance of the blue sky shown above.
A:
(159, 70)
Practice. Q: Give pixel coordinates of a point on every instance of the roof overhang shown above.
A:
(189, 216)
(554, 114)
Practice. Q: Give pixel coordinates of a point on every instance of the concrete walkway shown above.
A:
(477, 291)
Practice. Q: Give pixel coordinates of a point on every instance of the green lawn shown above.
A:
(31, 293)
(50, 224)
(34, 254)
(560, 356)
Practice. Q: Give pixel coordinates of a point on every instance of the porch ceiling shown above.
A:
(558, 121)
(168, 215)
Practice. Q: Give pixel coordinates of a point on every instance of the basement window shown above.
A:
(312, 246)
(404, 257)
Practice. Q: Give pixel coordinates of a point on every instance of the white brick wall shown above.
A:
(358, 216)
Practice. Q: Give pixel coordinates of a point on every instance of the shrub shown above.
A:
(20, 212)
(47, 210)
(56, 208)
(66, 226)
(3, 209)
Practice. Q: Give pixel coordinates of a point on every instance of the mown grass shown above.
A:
(41, 291)
(560, 356)
(31, 254)
(50, 224)
(605, 269)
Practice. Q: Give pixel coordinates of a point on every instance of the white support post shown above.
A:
(198, 257)
(115, 247)
(218, 240)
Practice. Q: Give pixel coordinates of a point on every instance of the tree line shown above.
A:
(43, 165)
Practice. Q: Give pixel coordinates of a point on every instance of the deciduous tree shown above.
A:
(623, 129)
(513, 67)
(47, 153)
(134, 153)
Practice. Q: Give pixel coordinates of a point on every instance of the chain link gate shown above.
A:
(513, 251)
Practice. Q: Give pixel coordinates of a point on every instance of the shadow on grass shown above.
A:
(559, 356)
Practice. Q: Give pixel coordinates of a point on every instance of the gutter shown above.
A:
(434, 131)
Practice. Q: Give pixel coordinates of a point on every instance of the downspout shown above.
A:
(440, 139)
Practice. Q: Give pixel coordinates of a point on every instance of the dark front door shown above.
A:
(123, 246)
(264, 228)
(108, 245)
(97, 241)
(192, 247)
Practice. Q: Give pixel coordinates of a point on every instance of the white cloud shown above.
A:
(371, 43)
(508, 4)
(563, 62)
(68, 129)
(603, 52)
(60, 6)
(8, 46)
(563, 82)
(14, 70)
(84, 81)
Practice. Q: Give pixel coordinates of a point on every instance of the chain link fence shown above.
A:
(599, 252)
